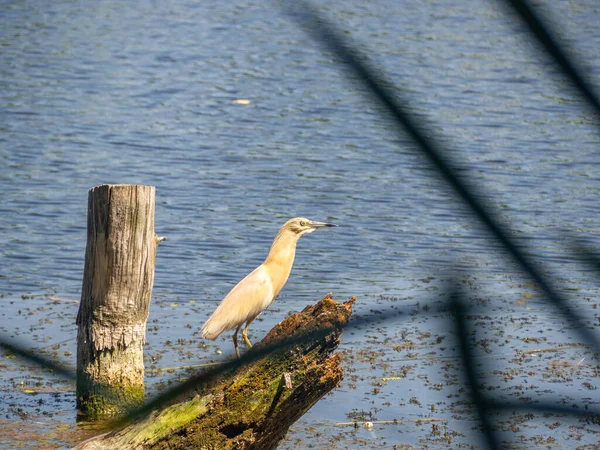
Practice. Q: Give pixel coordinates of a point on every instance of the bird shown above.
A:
(251, 296)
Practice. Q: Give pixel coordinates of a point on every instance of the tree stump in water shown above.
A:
(115, 297)
(250, 406)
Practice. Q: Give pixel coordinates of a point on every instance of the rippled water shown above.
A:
(143, 93)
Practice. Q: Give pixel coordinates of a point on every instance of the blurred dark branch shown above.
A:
(398, 109)
(206, 376)
(30, 356)
(544, 35)
(477, 397)
(377, 318)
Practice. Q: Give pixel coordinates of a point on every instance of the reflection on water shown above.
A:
(144, 93)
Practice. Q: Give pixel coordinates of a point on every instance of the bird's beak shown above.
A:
(317, 225)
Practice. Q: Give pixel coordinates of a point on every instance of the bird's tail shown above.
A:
(211, 330)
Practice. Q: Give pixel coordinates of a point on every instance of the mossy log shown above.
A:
(251, 406)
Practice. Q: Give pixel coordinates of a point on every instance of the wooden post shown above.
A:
(115, 297)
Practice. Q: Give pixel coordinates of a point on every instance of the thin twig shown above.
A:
(552, 349)
(193, 366)
(389, 422)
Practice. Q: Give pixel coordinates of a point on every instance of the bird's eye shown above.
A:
(302, 223)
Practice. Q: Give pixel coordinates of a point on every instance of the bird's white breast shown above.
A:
(264, 294)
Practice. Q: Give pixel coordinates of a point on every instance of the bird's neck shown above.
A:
(280, 259)
(283, 249)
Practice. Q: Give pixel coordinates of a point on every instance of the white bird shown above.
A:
(256, 291)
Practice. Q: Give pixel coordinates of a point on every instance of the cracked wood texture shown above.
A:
(248, 406)
(115, 298)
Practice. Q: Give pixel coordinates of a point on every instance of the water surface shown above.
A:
(143, 93)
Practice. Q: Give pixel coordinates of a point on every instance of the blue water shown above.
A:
(144, 93)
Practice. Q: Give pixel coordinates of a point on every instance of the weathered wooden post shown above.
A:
(115, 298)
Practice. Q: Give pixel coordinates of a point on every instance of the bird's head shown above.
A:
(302, 225)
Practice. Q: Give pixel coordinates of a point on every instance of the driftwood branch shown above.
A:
(251, 406)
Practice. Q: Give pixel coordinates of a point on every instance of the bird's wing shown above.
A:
(244, 302)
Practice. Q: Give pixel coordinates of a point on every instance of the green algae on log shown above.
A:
(250, 406)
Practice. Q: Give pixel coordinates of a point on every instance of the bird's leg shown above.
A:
(245, 334)
(235, 344)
